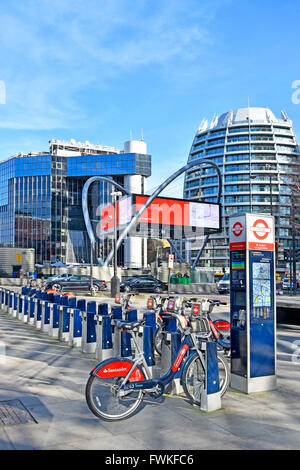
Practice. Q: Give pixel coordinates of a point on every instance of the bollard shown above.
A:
(88, 344)
(104, 346)
(116, 313)
(210, 394)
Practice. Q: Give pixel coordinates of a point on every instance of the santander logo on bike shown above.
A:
(108, 370)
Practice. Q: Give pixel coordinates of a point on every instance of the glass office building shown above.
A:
(258, 157)
(40, 197)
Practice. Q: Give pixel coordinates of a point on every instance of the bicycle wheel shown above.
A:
(102, 399)
(194, 378)
(157, 340)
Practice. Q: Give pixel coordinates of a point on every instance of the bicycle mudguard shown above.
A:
(118, 367)
(222, 325)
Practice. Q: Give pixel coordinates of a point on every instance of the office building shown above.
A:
(258, 156)
(40, 199)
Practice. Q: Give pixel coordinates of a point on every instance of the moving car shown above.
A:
(224, 284)
(138, 284)
(75, 282)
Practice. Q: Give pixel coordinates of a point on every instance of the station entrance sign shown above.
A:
(252, 302)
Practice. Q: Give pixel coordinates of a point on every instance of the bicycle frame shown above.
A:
(128, 368)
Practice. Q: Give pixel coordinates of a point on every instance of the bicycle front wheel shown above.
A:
(103, 400)
(194, 378)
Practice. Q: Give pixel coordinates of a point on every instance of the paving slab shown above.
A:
(49, 378)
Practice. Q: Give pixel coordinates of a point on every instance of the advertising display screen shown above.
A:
(164, 218)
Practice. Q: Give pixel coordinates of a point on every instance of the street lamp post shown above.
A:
(115, 281)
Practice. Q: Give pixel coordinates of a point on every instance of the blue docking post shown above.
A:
(210, 393)
(54, 316)
(174, 388)
(148, 347)
(30, 316)
(75, 323)
(88, 344)
(116, 314)
(104, 346)
(131, 315)
(64, 319)
(45, 315)
(25, 308)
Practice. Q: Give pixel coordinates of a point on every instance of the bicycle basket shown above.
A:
(199, 325)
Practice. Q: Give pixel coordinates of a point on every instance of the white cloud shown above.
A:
(53, 50)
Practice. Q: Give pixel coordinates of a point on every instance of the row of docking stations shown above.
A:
(92, 327)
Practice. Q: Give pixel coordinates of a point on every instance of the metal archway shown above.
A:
(156, 193)
(85, 210)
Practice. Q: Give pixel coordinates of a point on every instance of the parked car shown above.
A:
(143, 285)
(61, 276)
(75, 282)
(224, 284)
(139, 276)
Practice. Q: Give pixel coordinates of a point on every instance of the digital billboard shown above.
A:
(164, 218)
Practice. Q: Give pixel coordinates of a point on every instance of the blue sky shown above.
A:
(99, 69)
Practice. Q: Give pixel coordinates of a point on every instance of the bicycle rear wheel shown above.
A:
(103, 401)
(194, 378)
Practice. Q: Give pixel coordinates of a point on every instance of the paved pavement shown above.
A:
(49, 378)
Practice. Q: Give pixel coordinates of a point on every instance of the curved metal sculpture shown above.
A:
(156, 193)
(85, 202)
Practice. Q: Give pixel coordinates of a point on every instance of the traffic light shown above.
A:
(286, 255)
(159, 262)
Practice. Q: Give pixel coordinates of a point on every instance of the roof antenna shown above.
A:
(142, 137)
(130, 135)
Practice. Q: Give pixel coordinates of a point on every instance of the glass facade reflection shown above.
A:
(40, 200)
(260, 156)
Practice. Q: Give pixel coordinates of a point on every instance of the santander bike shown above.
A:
(197, 311)
(116, 387)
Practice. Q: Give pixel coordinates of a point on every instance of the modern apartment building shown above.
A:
(40, 198)
(258, 156)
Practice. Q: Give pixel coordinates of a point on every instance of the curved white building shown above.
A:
(257, 155)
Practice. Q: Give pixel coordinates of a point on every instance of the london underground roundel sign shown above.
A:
(237, 229)
(260, 229)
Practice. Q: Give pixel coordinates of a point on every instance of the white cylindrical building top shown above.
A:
(135, 146)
